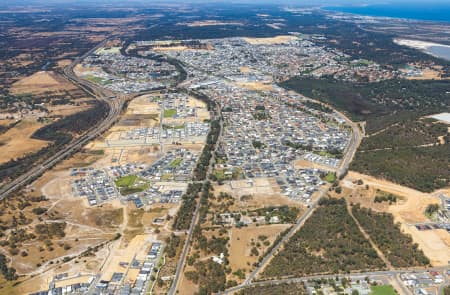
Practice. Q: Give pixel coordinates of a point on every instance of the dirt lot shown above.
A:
(299, 164)
(261, 86)
(264, 192)
(17, 141)
(408, 212)
(41, 82)
(241, 238)
(273, 40)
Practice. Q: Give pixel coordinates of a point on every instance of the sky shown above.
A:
(147, 3)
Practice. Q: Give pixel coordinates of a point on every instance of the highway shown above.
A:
(115, 104)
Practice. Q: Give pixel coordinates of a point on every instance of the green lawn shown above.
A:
(126, 181)
(176, 162)
(330, 177)
(383, 290)
(131, 184)
(97, 80)
(165, 126)
(169, 113)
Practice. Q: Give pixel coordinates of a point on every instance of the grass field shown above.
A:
(131, 184)
(166, 126)
(97, 80)
(176, 162)
(126, 181)
(330, 177)
(382, 290)
(169, 113)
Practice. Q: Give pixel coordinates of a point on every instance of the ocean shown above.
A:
(418, 11)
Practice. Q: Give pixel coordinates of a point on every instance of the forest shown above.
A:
(422, 168)
(387, 235)
(408, 134)
(275, 289)
(328, 242)
(377, 103)
(184, 215)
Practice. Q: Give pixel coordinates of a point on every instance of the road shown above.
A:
(393, 274)
(115, 104)
(187, 244)
(343, 168)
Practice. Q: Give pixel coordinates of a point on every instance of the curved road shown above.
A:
(115, 104)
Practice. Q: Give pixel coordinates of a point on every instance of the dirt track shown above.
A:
(410, 211)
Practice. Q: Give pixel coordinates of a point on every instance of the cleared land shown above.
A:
(41, 82)
(213, 23)
(17, 141)
(408, 211)
(241, 240)
(258, 86)
(273, 40)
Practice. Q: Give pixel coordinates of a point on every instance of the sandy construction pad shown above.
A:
(125, 255)
(410, 211)
(434, 243)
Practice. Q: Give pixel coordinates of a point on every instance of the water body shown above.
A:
(445, 117)
(417, 11)
(440, 51)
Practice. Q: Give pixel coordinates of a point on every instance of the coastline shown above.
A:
(424, 46)
(433, 13)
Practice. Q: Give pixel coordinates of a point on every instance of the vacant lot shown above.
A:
(241, 243)
(41, 82)
(17, 141)
(273, 40)
(408, 211)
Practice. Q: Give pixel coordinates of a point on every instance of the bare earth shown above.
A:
(408, 212)
(41, 82)
(273, 40)
(240, 239)
(17, 141)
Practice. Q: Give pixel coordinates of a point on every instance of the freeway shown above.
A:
(115, 107)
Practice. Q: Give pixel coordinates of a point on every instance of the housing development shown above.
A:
(190, 150)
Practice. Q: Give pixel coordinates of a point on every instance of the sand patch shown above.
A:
(273, 40)
(41, 82)
(258, 86)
